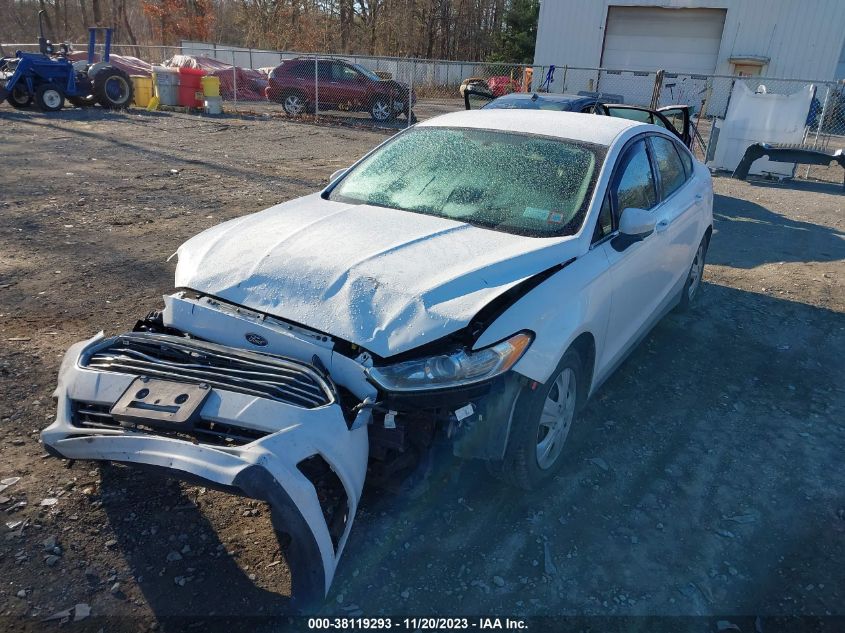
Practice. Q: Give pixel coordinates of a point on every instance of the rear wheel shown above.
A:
(113, 88)
(49, 98)
(19, 97)
(294, 104)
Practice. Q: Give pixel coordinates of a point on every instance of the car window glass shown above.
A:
(635, 186)
(669, 165)
(341, 72)
(604, 226)
(641, 115)
(300, 69)
(676, 118)
(324, 69)
(685, 158)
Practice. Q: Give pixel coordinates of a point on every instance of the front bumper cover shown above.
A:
(265, 469)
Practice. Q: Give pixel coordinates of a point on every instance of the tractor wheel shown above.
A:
(49, 98)
(113, 88)
(19, 98)
(83, 102)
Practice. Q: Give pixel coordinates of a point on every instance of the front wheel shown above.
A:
(19, 98)
(49, 98)
(381, 110)
(541, 420)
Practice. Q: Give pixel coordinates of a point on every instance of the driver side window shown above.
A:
(635, 184)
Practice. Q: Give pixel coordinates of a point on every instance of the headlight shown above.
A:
(462, 367)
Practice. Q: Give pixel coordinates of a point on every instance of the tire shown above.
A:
(113, 89)
(294, 103)
(381, 109)
(693, 282)
(49, 98)
(19, 98)
(82, 102)
(534, 455)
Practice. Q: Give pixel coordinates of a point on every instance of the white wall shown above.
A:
(802, 38)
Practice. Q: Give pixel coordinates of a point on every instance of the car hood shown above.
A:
(384, 279)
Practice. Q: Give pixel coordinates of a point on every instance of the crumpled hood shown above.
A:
(384, 279)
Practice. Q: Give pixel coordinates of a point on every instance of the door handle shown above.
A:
(661, 226)
(699, 197)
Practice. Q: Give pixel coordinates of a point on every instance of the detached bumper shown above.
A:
(274, 439)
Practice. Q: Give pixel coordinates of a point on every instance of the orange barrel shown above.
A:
(190, 87)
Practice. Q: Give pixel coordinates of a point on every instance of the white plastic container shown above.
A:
(167, 85)
(214, 105)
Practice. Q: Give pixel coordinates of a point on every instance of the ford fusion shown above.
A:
(474, 279)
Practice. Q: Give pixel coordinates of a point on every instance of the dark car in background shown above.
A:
(675, 118)
(340, 85)
(545, 101)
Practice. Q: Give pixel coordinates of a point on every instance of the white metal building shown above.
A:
(801, 39)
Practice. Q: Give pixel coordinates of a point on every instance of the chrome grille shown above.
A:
(188, 360)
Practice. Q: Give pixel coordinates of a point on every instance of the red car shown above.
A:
(340, 86)
(502, 85)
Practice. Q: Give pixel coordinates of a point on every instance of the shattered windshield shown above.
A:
(516, 183)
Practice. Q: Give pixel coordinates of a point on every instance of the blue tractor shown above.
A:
(48, 78)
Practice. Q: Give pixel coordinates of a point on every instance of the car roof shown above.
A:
(589, 128)
(519, 96)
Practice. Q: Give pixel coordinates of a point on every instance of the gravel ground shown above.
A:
(705, 477)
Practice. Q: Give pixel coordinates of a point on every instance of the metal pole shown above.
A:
(316, 90)
(656, 90)
(411, 93)
(235, 78)
(819, 125)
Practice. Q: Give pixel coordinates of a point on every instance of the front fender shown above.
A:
(567, 304)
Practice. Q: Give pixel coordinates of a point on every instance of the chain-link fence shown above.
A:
(395, 92)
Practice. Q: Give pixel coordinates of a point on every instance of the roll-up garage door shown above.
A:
(648, 38)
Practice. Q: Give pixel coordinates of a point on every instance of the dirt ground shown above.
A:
(705, 478)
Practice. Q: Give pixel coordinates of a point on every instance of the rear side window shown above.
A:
(635, 186)
(669, 165)
(686, 159)
(298, 69)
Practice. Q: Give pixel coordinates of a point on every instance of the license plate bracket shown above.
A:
(160, 403)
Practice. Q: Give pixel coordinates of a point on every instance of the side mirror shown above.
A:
(338, 174)
(636, 222)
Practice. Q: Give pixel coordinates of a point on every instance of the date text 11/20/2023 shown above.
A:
(417, 624)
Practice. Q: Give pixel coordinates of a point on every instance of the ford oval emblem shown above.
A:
(256, 339)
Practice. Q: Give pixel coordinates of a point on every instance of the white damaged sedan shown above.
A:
(474, 278)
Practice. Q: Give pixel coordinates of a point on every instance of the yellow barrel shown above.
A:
(211, 86)
(143, 87)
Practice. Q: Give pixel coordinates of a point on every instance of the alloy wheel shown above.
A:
(381, 110)
(294, 104)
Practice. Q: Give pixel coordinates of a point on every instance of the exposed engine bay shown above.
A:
(252, 405)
